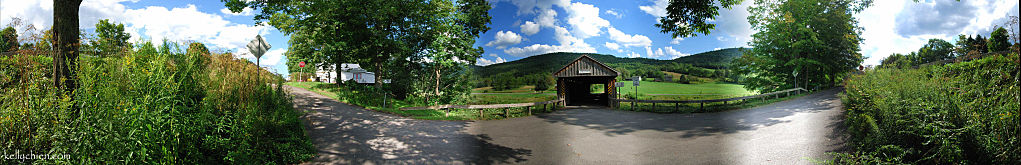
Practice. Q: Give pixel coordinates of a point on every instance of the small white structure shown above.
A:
(356, 73)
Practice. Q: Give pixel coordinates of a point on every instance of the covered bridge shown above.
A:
(575, 80)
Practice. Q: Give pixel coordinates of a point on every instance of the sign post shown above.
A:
(302, 66)
(635, 81)
(258, 47)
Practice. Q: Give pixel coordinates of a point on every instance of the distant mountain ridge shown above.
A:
(550, 62)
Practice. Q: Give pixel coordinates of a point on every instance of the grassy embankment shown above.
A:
(150, 106)
(963, 113)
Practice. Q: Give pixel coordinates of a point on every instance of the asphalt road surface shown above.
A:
(795, 131)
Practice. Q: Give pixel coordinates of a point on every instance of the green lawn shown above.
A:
(690, 91)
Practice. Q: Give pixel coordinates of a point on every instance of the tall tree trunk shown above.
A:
(65, 30)
(379, 75)
(437, 89)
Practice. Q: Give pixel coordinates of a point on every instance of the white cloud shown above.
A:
(153, 23)
(504, 39)
(189, 24)
(613, 46)
(676, 41)
(614, 13)
(271, 58)
(244, 12)
(628, 40)
(585, 21)
(633, 55)
(658, 9)
(672, 54)
(734, 24)
(537, 49)
(485, 62)
(667, 52)
(547, 18)
(529, 28)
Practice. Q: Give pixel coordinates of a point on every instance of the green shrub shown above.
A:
(964, 113)
(156, 106)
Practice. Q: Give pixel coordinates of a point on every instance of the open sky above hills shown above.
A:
(522, 28)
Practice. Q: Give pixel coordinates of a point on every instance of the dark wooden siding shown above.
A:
(585, 63)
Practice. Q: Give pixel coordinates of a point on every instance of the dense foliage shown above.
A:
(151, 105)
(812, 43)
(8, 39)
(963, 113)
(688, 18)
(424, 54)
(935, 50)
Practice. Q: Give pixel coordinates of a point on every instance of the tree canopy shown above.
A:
(998, 40)
(687, 18)
(814, 41)
(407, 41)
(8, 39)
(111, 38)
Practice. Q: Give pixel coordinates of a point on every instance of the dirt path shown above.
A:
(789, 132)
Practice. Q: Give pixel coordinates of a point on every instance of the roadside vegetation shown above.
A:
(146, 104)
(962, 113)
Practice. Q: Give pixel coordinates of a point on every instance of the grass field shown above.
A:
(677, 91)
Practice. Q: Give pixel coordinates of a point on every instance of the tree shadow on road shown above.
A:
(345, 134)
(616, 122)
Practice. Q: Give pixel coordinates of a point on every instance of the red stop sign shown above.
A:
(301, 64)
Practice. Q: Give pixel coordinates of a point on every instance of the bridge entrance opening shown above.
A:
(575, 82)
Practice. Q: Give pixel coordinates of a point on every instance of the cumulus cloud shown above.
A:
(658, 8)
(504, 39)
(272, 57)
(585, 21)
(613, 46)
(614, 13)
(537, 49)
(180, 24)
(485, 62)
(666, 52)
(244, 12)
(937, 17)
(676, 41)
(633, 55)
(628, 40)
(529, 28)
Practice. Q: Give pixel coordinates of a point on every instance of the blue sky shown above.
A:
(522, 28)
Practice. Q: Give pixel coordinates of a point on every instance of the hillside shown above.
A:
(712, 59)
(550, 62)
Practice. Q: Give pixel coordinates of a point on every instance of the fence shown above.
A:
(702, 102)
(506, 111)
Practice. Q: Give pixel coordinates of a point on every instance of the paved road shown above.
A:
(789, 132)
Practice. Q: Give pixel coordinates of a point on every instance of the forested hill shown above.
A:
(713, 59)
(550, 62)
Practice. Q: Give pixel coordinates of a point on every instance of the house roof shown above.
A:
(585, 66)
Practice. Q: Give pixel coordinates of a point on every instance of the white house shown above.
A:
(347, 72)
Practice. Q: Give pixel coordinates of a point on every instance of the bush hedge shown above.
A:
(963, 113)
(151, 106)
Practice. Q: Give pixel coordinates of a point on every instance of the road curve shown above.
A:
(795, 131)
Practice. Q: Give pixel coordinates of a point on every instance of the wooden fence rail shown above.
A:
(702, 102)
(505, 107)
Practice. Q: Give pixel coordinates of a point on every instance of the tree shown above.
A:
(8, 39)
(65, 28)
(935, 50)
(816, 39)
(111, 37)
(687, 18)
(998, 41)
(542, 82)
(405, 40)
